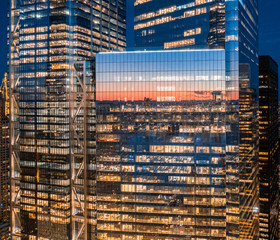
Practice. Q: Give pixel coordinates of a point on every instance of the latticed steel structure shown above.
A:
(52, 112)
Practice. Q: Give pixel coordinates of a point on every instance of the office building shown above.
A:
(177, 148)
(269, 148)
(52, 119)
(180, 24)
(232, 26)
(166, 168)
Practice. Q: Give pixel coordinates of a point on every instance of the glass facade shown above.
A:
(52, 46)
(247, 55)
(232, 26)
(163, 170)
(269, 149)
(180, 24)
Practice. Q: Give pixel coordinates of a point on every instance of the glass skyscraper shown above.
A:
(179, 24)
(165, 167)
(52, 47)
(161, 145)
(181, 161)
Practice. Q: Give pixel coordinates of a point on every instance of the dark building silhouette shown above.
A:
(269, 148)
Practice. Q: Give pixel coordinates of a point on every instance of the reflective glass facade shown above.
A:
(52, 45)
(233, 26)
(167, 147)
(179, 24)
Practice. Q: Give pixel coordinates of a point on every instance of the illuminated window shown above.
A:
(198, 2)
(182, 43)
(138, 2)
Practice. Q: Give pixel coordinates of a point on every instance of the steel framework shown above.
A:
(14, 79)
(79, 94)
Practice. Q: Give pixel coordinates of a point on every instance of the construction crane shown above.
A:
(5, 94)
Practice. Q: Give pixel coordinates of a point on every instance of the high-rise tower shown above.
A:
(232, 26)
(52, 119)
(269, 149)
(177, 133)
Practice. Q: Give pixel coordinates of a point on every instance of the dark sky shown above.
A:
(269, 29)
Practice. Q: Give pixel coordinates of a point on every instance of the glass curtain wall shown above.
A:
(53, 35)
(161, 145)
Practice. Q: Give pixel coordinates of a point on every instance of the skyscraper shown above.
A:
(173, 162)
(163, 170)
(179, 24)
(52, 45)
(269, 149)
(161, 146)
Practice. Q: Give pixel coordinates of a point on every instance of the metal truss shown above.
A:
(78, 150)
(14, 79)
